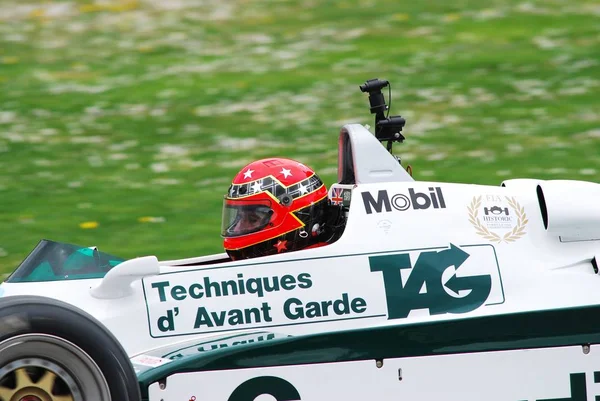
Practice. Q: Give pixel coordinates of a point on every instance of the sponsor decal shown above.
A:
(469, 373)
(228, 342)
(431, 281)
(437, 281)
(340, 196)
(279, 389)
(497, 219)
(578, 388)
(384, 202)
(385, 226)
(220, 302)
(148, 360)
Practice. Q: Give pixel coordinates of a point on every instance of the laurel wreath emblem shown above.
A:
(517, 232)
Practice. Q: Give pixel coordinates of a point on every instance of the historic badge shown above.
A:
(497, 219)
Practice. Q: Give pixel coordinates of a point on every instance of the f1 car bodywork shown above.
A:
(434, 289)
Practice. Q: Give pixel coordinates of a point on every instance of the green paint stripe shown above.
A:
(551, 328)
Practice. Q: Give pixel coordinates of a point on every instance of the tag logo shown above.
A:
(401, 202)
(450, 280)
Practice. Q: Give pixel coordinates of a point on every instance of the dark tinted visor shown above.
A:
(244, 218)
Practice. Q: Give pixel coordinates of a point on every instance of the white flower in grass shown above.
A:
(159, 167)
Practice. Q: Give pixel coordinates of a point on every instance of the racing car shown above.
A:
(434, 290)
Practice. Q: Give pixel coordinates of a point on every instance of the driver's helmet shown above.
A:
(272, 206)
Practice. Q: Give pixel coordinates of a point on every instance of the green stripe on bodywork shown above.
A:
(551, 328)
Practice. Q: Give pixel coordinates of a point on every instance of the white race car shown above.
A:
(434, 290)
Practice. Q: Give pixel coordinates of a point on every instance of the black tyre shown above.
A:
(52, 351)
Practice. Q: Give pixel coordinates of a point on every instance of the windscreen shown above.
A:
(53, 261)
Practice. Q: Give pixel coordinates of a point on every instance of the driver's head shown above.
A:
(272, 206)
(249, 219)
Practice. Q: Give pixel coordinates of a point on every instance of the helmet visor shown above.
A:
(244, 217)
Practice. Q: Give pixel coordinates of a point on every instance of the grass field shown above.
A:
(123, 122)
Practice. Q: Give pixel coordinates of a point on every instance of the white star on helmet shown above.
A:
(285, 172)
(248, 173)
(256, 187)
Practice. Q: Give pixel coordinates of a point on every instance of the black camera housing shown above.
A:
(386, 128)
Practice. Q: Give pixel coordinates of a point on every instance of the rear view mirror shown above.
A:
(117, 282)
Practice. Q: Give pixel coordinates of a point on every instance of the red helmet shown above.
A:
(272, 206)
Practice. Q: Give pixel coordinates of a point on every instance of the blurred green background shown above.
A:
(122, 122)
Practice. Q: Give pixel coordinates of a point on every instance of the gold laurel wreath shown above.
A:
(517, 232)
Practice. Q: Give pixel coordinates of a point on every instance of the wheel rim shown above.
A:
(36, 380)
(40, 367)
